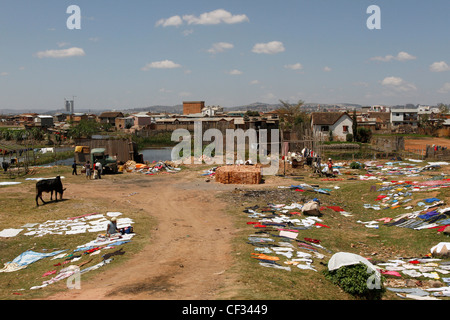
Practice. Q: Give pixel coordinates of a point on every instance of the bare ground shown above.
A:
(190, 251)
(421, 143)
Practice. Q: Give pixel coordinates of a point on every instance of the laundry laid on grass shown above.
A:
(25, 259)
(66, 262)
(94, 222)
(277, 240)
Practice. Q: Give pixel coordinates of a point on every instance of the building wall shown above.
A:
(337, 129)
(142, 121)
(190, 107)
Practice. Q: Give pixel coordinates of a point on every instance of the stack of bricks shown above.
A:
(238, 174)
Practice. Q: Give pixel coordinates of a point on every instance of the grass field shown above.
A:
(19, 208)
(345, 234)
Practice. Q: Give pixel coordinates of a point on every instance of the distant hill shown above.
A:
(256, 106)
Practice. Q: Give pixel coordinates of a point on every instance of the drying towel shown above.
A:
(26, 258)
(335, 208)
(7, 233)
(431, 200)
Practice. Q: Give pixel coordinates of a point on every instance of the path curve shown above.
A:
(190, 250)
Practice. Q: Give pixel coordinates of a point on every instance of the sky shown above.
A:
(139, 53)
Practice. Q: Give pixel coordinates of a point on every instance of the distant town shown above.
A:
(334, 122)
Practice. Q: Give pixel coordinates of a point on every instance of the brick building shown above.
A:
(190, 107)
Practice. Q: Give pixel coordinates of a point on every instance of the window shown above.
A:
(345, 129)
(324, 128)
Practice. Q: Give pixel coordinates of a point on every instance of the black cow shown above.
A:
(49, 185)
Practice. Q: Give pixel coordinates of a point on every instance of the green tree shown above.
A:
(252, 113)
(36, 134)
(84, 129)
(364, 135)
(7, 135)
(18, 135)
(355, 126)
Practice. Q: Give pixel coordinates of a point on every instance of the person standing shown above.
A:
(99, 168)
(88, 169)
(74, 168)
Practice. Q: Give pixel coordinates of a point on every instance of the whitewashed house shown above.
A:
(339, 123)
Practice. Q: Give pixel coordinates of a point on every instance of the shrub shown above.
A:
(356, 165)
(353, 279)
(364, 135)
(349, 137)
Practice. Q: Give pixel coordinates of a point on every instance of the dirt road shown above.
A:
(190, 251)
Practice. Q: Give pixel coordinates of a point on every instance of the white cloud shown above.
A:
(268, 48)
(63, 53)
(208, 18)
(392, 81)
(401, 56)
(296, 66)
(172, 21)
(445, 88)
(253, 82)
(327, 69)
(165, 64)
(234, 72)
(439, 67)
(398, 84)
(4, 74)
(215, 17)
(404, 56)
(220, 47)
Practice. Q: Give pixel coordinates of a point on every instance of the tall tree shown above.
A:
(291, 115)
(355, 126)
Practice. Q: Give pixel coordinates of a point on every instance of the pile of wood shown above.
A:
(239, 174)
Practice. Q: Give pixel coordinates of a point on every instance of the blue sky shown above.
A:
(140, 53)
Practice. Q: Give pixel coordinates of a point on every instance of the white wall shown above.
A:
(337, 129)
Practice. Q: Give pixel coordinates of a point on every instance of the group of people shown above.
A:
(95, 169)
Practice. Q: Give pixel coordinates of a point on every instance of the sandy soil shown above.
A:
(190, 251)
(419, 144)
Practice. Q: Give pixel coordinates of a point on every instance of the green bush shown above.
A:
(364, 135)
(353, 279)
(356, 165)
(349, 137)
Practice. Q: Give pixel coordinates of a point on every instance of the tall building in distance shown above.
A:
(69, 104)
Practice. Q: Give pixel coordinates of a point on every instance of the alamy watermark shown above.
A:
(74, 280)
(374, 21)
(237, 149)
(374, 281)
(74, 20)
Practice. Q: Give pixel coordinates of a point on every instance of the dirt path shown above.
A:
(190, 251)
